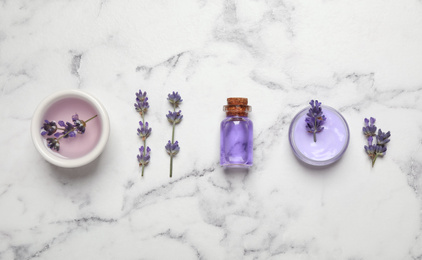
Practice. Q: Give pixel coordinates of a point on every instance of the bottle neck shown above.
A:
(237, 110)
(244, 114)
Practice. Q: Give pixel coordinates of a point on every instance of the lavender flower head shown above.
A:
(377, 148)
(141, 96)
(382, 138)
(48, 128)
(144, 131)
(53, 144)
(175, 99)
(69, 129)
(144, 156)
(315, 118)
(141, 106)
(79, 124)
(374, 150)
(369, 129)
(172, 149)
(174, 117)
(370, 149)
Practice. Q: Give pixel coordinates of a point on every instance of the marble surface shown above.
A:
(363, 58)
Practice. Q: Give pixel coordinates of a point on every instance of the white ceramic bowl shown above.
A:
(39, 141)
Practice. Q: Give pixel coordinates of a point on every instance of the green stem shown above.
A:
(373, 161)
(315, 130)
(172, 142)
(66, 134)
(90, 119)
(314, 137)
(171, 156)
(145, 144)
(171, 166)
(172, 134)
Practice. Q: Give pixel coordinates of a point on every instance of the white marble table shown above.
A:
(362, 57)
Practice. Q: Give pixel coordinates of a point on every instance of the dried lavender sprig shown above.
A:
(315, 118)
(144, 131)
(69, 130)
(174, 118)
(377, 148)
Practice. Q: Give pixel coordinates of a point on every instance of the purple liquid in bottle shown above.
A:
(82, 144)
(236, 135)
(331, 143)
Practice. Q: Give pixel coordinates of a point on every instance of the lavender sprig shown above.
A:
(174, 118)
(315, 118)
(68, 130)
(377, 148)
(144, 131)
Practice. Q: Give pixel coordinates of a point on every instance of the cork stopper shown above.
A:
(237, 106)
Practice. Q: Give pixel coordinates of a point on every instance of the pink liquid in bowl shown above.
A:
(82, 144)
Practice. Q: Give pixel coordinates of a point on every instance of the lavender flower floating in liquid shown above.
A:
(174, 118)
(67, 129)
(144, 131)
(377, 148)
(315, 118)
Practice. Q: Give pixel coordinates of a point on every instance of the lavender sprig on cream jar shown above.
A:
(319, 135)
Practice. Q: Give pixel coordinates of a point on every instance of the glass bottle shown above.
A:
(236, 135)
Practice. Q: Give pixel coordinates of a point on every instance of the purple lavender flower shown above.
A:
(80, 125)
(174, 117)
(315, 118)
(382, 138)
(141, 96)
(58, 134)
(144, 131)
(69, 129)
(141, 106)
(172, 149)
(370, 149)
(380, 150)
(144, 156)
(369, 129)
(175, 99)
(377, 148)
(53, 144)
(48, 128)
